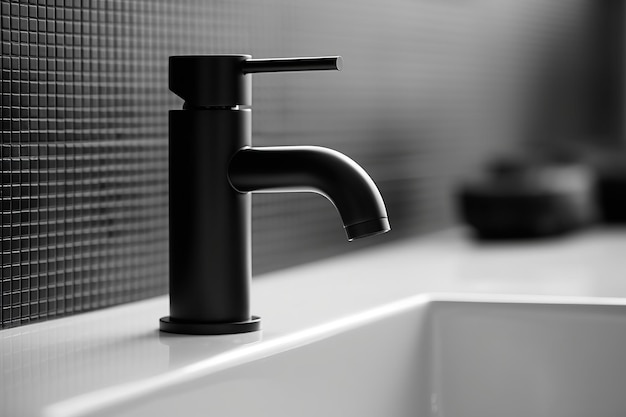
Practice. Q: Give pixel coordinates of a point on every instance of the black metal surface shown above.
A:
(210, 265)
(313, 169)
(212, 172)
(210, 80)
(166, 324)
(321, 63)
(223, 80)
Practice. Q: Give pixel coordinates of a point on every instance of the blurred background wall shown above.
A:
(430, 90)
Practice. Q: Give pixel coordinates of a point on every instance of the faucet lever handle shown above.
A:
(321, 63)
(222, 81)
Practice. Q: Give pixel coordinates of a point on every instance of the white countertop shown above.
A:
(46, 363)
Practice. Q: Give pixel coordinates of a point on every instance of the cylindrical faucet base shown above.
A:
(210, 259)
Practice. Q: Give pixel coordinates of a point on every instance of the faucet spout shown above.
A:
(314, 169)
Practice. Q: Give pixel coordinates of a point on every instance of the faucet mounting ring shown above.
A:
(169, 325)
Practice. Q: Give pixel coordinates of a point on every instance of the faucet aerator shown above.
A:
(367, 228)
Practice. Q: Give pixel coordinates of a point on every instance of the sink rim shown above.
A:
(105, 401)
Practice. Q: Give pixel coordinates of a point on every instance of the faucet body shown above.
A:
(210, 222)
(213, 170)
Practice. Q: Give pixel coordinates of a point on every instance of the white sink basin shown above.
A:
(491, 359)
(444, 356)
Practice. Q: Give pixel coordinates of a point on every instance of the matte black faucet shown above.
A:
(213, 169)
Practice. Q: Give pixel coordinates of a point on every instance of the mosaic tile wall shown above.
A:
(428, 89)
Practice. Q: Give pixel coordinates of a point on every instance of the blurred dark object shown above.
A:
(611, 197)
(610, 192)
(519, 198)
